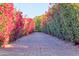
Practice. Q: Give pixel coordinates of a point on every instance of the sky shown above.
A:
(32, 9)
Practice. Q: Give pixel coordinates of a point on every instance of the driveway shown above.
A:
(40, 44)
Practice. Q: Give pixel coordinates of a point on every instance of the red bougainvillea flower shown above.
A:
(8, 16)
(1, 34)
(1, 8)
(13, 23)
(8, 5)
(29, 25)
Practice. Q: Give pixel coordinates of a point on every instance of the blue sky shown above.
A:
(32, 9)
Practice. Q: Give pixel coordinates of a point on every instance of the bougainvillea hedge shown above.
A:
(12, 24)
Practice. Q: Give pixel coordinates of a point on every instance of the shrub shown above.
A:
(64, 22)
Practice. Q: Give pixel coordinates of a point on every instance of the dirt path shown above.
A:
(40, 44)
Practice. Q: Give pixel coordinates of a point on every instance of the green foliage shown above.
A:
(66, 23)
(38, 24)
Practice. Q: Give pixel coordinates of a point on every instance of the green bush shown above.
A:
(38, 24)
(64, 24)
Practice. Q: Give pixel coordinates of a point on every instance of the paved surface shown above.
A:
(40, 44)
